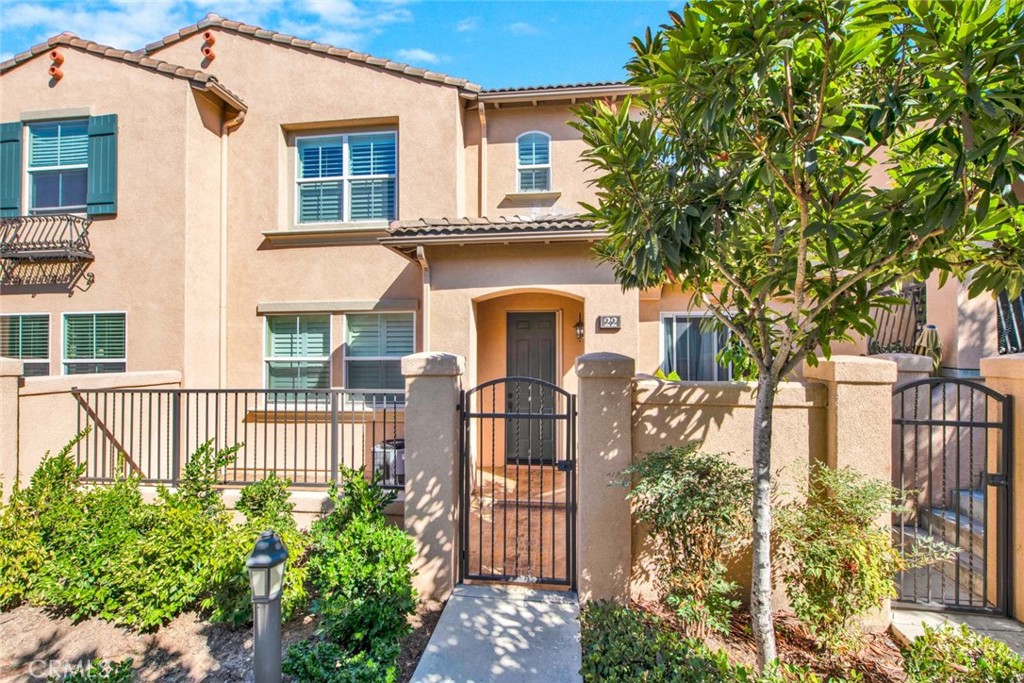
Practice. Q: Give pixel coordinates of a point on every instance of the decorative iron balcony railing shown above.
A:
(55, 237)
(897, 329)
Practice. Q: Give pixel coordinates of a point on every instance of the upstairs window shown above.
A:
(94, 343)
(27, 337)
(690, 348)
(298, 352)
(374, 346)
(347, 178)
(533, 162)
(58, 166)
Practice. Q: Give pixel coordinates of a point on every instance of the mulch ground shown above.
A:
(878, 661)
(35, 643)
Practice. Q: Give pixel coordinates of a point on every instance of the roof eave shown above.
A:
(552, 94)
(410, 242)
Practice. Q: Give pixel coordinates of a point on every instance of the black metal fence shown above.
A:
(897, 328)
(951, 458)
(305, 436)
(1011, 324)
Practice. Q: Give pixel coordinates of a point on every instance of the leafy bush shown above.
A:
(961, 656)
(697, 506)
(97, 671)
(327, 662)
(839, 563)
(24, 555)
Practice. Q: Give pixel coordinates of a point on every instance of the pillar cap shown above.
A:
(11, 367)
(433, 365)
(852, 370)
(1009, 366)
(605, 365)
(908, 362)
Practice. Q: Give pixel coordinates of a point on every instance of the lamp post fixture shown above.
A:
(266, 578)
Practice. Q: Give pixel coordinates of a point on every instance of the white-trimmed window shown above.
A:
(58, 166)
(27, 337)
(346, 178)
(94, 343)
(690, 346)
(374, 346)
(533, 162)
(298, 352)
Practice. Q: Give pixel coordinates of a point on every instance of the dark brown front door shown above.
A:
(531, 353)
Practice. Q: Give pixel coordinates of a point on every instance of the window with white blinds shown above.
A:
(94, 343)
(374, 346)
(298, 352)
(347, 178)
(533, 162)
(690, 348)
(27, 337)
(58, 166)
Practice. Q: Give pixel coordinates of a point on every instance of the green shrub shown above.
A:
(961, 656)
(325, 662)
(839, 563)
(697, 507)
(97, 671)
(22, 553)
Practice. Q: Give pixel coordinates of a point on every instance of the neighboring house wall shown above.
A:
(967, 327)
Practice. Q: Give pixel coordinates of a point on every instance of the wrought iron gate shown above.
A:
(518, 497)
(951, 459)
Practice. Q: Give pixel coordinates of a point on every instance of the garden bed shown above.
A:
(37, 643)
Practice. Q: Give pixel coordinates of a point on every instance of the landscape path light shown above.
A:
(266, 578)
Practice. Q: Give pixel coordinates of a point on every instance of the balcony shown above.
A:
(46, 250)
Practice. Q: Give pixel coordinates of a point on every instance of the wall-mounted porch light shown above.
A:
(579, 329)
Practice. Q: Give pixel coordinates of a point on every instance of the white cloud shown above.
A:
(467, 24)
(418, 55)
(521, 28)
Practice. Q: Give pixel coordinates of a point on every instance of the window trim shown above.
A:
(49, 340)
(297, 359)
(63, 343)
(344, 347)
(26, 156)
(533, 167)
(689, 314)
(345, 179)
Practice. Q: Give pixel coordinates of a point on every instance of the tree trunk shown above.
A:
(761, 575)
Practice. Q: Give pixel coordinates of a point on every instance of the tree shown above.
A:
(746, 172)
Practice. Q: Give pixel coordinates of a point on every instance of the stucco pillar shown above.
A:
(605, 449)
(1005, 374)
(432, 383)
(858, 427)
(10, 379)
(909, 366)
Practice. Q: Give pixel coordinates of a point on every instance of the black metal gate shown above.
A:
(518, 499)
(951, 459)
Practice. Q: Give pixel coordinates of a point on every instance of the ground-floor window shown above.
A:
(374, 346)
(94, 343)
(690, 348)
(27, 337)
(298, 350)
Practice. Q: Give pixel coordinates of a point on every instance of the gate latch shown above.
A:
(996, 479)
(564, 465)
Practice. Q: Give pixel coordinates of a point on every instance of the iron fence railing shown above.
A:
(1011, 324)
(897, 328)
(53, 235)
(306, 436)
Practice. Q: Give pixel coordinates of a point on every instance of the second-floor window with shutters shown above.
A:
(58, 166)
(533, 162)
(374, 346)
(346, 178)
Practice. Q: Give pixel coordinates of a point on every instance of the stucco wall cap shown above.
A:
(10, 367)
(853, 370)
(605, 365)
(60, 384)
(907, 362)
(433, 365)
(1010, 366)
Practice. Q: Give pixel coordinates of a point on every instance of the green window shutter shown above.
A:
(102, 190)
(10, 169)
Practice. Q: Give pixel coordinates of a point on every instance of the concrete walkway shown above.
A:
(909, 624)
(504, 634)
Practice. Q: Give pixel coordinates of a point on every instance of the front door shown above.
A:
(531, 354)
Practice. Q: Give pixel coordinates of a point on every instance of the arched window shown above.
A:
(533, 162)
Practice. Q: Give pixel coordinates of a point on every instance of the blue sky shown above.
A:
(495, 44)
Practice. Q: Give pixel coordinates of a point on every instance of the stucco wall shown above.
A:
(968, 328)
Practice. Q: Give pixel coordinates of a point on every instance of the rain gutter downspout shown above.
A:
(421, 257)
(222, 304)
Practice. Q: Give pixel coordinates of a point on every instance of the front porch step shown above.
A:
(971, 503)
(944, 524)
(942, 576)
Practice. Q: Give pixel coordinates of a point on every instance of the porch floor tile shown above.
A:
(505, 634)
(908, 624)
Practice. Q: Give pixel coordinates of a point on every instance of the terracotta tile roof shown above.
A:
(512, 225)
(200, 79)
(216, 21)
(557, 86)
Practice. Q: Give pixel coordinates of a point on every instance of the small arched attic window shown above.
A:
(533, 162)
